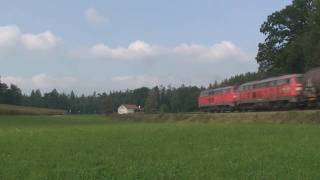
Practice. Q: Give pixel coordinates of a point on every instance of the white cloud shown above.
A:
(223, 51)
(94, 17)
(12, 40)
(43, 81)
(42, 41)
(9, 36)
(189, 49)
(137, 49)
(13, 80)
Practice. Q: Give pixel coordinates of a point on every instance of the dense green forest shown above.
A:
(163, 99)
(292, 45)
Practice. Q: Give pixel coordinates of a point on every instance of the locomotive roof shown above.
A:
(272, 79)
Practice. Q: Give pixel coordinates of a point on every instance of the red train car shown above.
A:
(283, 91)
(221, 99)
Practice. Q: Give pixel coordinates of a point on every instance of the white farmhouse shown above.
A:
(127, 109)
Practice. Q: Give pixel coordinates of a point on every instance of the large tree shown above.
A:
(292, 41)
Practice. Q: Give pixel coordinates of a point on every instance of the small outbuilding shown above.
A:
(128, 109)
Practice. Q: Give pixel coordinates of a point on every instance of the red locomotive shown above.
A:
(273, 93)
(218, 99)
(284, 91)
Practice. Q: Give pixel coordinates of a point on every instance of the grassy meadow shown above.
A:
(103, 147)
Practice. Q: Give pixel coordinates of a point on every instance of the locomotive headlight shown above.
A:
(299, 88)
(286, 89)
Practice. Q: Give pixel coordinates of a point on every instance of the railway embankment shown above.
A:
(305, 116)
(22, 110)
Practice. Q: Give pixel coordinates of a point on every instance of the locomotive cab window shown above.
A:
(287, 81)
(255, 86)
(299, 80)
(273, 83)
(283, 81)
(267, 84)
(204, 93)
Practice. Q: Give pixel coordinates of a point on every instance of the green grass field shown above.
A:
(98, 147)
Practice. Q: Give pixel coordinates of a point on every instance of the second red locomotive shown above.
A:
(279, 92)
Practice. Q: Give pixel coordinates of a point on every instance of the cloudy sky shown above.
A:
(100, 45)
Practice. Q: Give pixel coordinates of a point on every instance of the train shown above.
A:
(291, 91)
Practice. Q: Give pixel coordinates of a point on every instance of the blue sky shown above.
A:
(102, 45)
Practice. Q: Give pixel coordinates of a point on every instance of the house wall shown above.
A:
(124, 110)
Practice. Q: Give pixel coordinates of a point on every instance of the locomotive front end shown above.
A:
(312, 87)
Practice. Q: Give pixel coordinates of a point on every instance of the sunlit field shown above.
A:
(97, 147)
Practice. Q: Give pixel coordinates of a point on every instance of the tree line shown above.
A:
(157, 99)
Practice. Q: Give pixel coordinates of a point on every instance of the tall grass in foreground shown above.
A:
(97, 147)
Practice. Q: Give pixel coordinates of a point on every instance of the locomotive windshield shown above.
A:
(300, 80)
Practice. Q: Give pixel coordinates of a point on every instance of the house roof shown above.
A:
(130, 106)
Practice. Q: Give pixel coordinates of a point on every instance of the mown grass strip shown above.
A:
(307, 116)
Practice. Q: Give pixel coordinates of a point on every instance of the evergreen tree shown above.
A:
(3, 90)
(13, 95)
(51, 99)
(152, 101)
(36, 98)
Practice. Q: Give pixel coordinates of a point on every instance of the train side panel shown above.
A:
(273, 90)
(218, 99)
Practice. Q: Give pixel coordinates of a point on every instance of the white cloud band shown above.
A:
(11, 39)
(139, 50)
(42, 81)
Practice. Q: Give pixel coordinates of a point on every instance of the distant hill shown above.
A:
(21, 110)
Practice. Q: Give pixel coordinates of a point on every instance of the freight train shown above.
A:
(276, 93)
